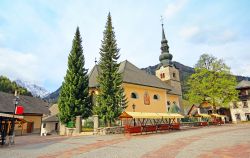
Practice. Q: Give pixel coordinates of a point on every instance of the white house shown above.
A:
(50, 123)
(240, 111)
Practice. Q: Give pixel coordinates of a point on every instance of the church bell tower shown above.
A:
(166, 70)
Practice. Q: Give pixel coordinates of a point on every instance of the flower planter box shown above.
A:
(176, 126)
(163, 127)
(202, 123)
(150, 128)
(133, 129)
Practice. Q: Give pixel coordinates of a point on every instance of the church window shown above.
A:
(156, 97)
(134, 95)
(174, 75)
(162, 75)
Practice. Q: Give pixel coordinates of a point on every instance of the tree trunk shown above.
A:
(214, 108)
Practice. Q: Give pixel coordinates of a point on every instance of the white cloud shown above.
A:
(243, 70)
(23, 65)
(174, 7)
(227, 36)
(1, 37)
(189, 32)
(211, 36)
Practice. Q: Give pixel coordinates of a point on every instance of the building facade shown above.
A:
(146, 92)
(240, 111)
(50, 123)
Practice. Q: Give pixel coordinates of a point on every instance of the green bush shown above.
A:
(71, 124)
(88, 123)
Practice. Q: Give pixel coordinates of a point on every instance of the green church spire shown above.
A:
(165, 57)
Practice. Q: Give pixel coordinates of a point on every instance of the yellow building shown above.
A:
(145, 92)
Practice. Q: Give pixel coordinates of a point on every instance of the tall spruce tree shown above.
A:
(74, 97)
(111, 99)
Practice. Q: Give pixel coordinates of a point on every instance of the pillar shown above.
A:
(78, 124)
(96, 123)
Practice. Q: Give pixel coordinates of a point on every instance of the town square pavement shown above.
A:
(215, 141)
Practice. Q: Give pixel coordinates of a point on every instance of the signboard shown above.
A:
(19, 110)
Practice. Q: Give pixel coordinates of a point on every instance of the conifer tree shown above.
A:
(111, 99)
(74, 97)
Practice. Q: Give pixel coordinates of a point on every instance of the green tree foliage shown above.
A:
(111, 99)
(212, 82)
(74, 99)
(9, 87)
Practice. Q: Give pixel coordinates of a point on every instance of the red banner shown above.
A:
(19, 110)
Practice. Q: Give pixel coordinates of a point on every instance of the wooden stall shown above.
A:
(143, 122)
(5, 125)
(217, 119)
(203, 119)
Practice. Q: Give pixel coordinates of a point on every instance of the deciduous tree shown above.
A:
(212, 82)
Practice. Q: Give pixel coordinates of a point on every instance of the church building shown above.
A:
(146, 92)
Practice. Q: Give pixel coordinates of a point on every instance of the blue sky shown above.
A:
(36, 36)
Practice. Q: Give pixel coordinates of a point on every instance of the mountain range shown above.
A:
(36, 91)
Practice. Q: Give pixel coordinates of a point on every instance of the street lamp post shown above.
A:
(12, 133)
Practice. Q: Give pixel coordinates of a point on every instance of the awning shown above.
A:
(202, 115)
(149, 115)
(217, 115)
(21, 120)
(10, 115)
(170, 115)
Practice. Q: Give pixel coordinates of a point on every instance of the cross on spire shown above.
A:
(162, 20)
(95, 61)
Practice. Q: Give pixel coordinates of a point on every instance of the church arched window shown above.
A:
(168, 103)
(134, 95)
(156, 97)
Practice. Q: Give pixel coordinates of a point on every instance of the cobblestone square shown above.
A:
(213, 141)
